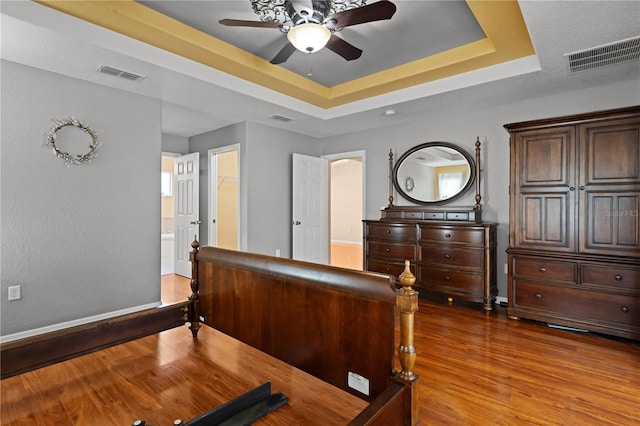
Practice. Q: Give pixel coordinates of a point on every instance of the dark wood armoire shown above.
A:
(574, 228)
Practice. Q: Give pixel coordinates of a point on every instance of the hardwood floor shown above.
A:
(475, 368)
(174, 288)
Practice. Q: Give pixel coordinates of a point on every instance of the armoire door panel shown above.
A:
(546, 157)
(546, 221)
(611, 224)
(610, 153)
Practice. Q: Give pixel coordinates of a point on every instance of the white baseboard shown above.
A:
(74, 323)
(353, 243)
(501, 299)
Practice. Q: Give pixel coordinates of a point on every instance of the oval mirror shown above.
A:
(434, 173)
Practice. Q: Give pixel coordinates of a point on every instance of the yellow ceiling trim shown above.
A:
(139, 22)
(506, 39)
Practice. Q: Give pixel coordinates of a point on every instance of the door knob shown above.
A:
(196, 222)
(296, 222)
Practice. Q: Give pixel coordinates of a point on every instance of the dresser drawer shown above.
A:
(391, 268)
(453, 256)
(452, 235)
(587, 304)
(389, 232)
(391, 251)
(612, 276)
(465, 281)
(545, 269)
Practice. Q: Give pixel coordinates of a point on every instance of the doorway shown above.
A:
(224, 197)
(346, 209)
(167, 214)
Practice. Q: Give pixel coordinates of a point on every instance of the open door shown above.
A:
(310, 227)
(224, 197)
(187, 217)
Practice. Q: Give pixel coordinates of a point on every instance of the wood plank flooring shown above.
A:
(475, 368)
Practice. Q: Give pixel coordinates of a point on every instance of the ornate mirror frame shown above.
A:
(437, 209)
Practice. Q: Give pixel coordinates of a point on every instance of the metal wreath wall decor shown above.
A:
(50, 141)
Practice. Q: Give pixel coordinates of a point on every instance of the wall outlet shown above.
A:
(277, 252)
(506, 268)
(14, 292)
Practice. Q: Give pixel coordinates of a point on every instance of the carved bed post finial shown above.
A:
(407, 303)
(193, 313)
(390, 177)
(478, 196)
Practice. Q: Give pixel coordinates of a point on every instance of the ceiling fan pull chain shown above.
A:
(310, 64)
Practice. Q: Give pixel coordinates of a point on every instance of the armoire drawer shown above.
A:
(570, 301)
(465, 281)
(540, 268)
(452, 235)
(390, 268)
(611, 276)
(390, 232)
(452, 256)
(397, 251)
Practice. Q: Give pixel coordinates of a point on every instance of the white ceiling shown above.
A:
(197, 98)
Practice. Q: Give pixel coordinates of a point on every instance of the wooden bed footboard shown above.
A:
(336, 324)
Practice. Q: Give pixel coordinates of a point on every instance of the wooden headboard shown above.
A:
(336, 324)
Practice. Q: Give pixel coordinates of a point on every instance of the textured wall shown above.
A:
(454, 118)
(83, 240)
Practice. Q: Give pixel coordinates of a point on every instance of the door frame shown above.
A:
(340, 156)
(212, 193)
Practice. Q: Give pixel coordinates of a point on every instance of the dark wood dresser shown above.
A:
(453, 258)
(574, 234)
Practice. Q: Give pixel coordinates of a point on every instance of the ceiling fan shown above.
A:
(309, 29)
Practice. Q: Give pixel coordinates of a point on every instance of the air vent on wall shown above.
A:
(281, 118)
(602, 56)
(120, 73)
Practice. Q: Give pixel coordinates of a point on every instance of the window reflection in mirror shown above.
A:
(434, 172)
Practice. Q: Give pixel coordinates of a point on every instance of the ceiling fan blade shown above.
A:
(283, 54)
(243, 23)
(378, 11)
(342, 48)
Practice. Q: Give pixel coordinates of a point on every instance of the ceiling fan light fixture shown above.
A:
(309, 37)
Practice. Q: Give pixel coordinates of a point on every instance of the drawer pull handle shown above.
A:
(618, 277)
(447, 235)
(625, 309)
(388, 231)
(447, 278)
(538, 296)
(572, 188)
(387, 250)
(542, 269)
(387, 269)
(447, 256)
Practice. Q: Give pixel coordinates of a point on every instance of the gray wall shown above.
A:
(230, 135)
(265, 179)
(82, 241)
(461, 123)
(175, 144)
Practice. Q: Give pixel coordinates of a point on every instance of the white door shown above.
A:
(310, 209)
(187, 217)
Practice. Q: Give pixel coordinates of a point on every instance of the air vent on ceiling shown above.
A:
(602, 56)
(281, 118)
(105, 69)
